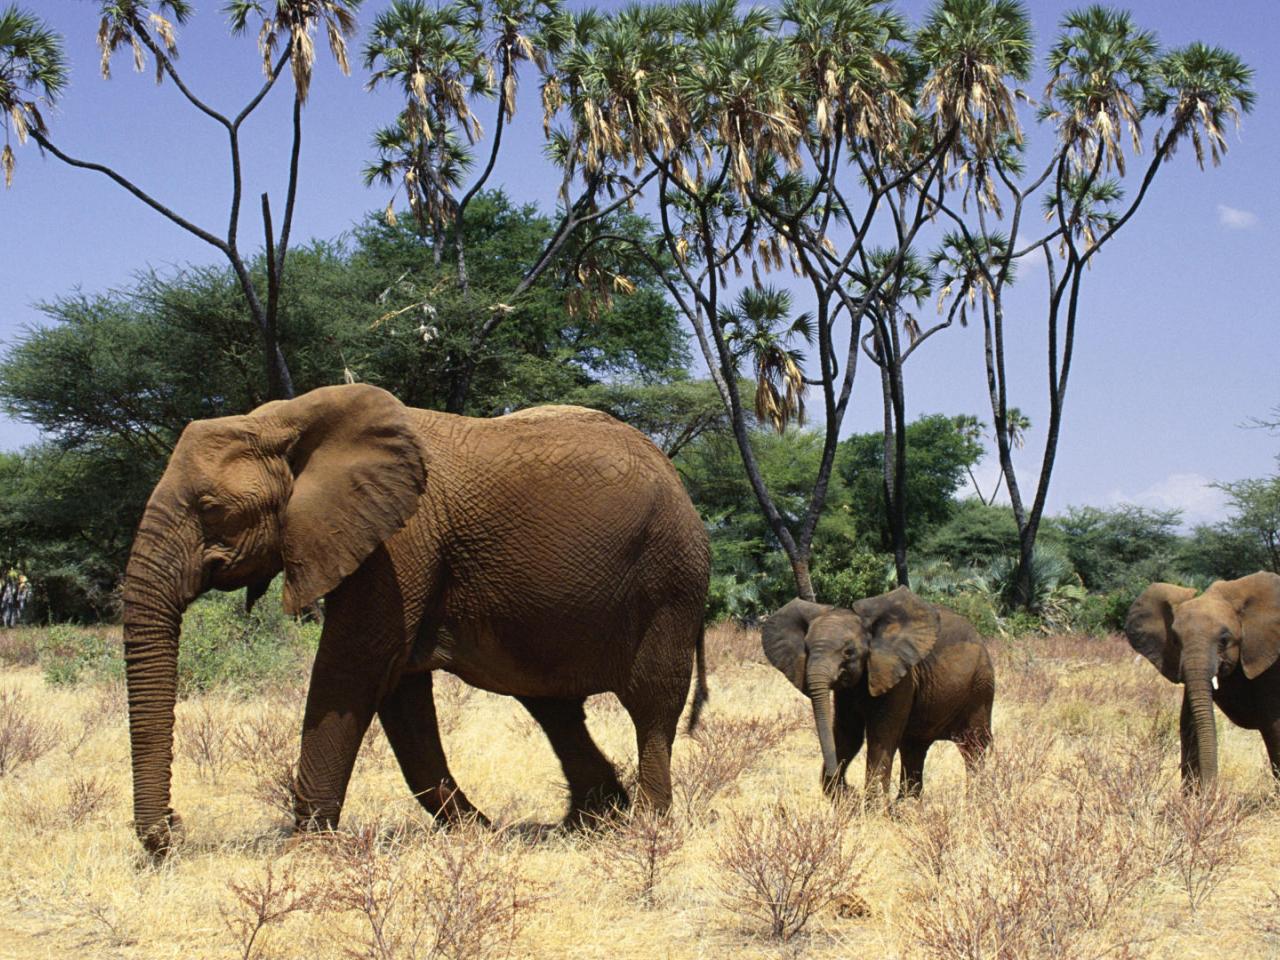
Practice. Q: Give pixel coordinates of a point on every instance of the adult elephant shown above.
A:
(902, 673)
(550, 554)
(1223, 647)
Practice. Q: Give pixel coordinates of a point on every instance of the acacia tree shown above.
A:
(1107, 76)
(31, 62)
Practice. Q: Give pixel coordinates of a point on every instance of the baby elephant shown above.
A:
(902, 673)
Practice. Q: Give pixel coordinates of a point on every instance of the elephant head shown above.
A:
(820, 647)
(309, 486)
(1198, 641)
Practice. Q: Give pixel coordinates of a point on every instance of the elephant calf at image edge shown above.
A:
(894, 670)
(550, 554)
(1223, 647)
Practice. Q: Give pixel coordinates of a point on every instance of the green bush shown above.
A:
(975, 605)
(222, 646)
(863, 574)
(69, 654)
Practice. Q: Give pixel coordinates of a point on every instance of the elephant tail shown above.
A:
(700, 691)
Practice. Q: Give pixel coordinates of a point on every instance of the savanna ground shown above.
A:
(1075, 842)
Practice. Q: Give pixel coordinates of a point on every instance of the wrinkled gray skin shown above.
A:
(1231, 634)
(894, 670)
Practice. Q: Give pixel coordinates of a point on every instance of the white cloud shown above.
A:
(1189, 492)
(1234, 219)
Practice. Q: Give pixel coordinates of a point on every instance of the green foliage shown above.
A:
(69, 655)
(864, 574)
(222, 646)
(975, 533)
(938, 456)
(1110, 548)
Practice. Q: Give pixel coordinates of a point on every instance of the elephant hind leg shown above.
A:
(594, 788)
(975, 740)
(408, 716)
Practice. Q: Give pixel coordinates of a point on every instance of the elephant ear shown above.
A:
(1149, 627)
(357, 475)
(783, 637)
(1259, 605)
(902, 629)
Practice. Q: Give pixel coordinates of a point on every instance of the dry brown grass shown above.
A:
(1074, 842)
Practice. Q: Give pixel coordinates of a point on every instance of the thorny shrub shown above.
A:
(86, 797)
(203, 739)
(1204, 839)
(263, 902)
(719, 752)
(267, 743)
(459, 895)
(782, 865)
(636, 847)
(24, 737)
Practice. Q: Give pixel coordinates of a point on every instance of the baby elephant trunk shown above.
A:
(819, 685)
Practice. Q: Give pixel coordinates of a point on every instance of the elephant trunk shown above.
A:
(162, 577)
(1198, 681)
(819, 687)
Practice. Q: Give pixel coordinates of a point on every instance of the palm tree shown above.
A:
(33, 72)
(1102, 78)
(434, 56)
(1204, 88)
(295, 21)
(972, 48)
(759, 325)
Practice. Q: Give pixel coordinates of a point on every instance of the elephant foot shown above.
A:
(315, 816)
(450, 806)
(597, 807)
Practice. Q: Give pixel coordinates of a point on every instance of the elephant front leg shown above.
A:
(850, 733)
(408, 716)
(340, 707)
(1190, 764)
(354, 661)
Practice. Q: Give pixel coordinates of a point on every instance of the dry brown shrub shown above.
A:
(783, 865)
(263, 902)
(729, 644)
(104, 706)
(86, 797)
(203, 739)
(18, 647)
(1204, 838)
(719, 751)
(460, 895)
(1033, 862)
(267, 743)
(24, 737)
(635, 848)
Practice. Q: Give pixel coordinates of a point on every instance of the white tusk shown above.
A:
(1214, 681)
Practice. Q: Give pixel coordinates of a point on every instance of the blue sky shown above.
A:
(1177, 345)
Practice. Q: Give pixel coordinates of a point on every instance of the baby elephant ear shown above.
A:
(902, 629)
(1259, 605)
(1149, 627)
(783, 638)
